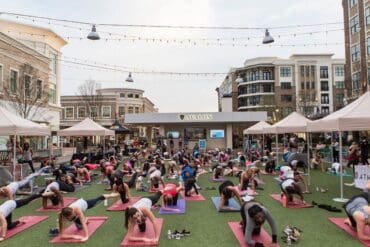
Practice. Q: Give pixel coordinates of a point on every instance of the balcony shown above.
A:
(262, 80)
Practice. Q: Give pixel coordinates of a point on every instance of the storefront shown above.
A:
(214, 129)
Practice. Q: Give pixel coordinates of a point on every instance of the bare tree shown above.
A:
(90, 97)
(28, 96)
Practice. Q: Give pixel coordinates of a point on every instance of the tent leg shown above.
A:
(341, 199)
(14, 155)
(308, 158)
(277, 149)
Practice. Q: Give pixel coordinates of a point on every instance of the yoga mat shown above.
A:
(194, 198)
(51, 208)
(149, 233)
(232, 203)
(211, 179)
(263, 172)
(119, 206)
(93, 224)
(295, 204)
(29, 221)
(338, 175)
(248, 192)
(339, 222)
(180, 205)
(263, 237)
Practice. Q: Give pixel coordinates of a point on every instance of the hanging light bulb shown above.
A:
(129, 78)
(268, 38)
(93, 35)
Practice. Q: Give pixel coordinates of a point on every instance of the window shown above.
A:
(324, 72)
(1, 76)
(121, 111)
(356, 81)
(312, 85)
(81, 112)
(339, 97)
(287, 111)
(355, 53)
(354, 24)
(339, 70)
(324, 86)
(285, 85)
(324, 98)
(52, 94)
(106, 111)
(195, 133)
(367, 16)
(307, 84)
(137, 109)
(13, 81)
(121, 95)
(339, 84)
(352, 3)
(94, 111)
(130, 110)
(286, 98)
(53, 62)
(266, 75)
(39, 89)
(325, 110)
(136, 96)
(302, 70)
(69, 112)
(27, 86)
(285, 71)
(130, 95)
(302, 85)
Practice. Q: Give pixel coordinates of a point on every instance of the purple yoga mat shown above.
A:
(180, 205)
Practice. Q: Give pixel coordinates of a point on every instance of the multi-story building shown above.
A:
(305, 83)
(106, 106)
(37, 44)
(356, 16)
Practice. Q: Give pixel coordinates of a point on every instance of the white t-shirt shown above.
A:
(80, 203)
(53, 184)
(143, 203)
(287, 183)
(8, 207)
(335, 166)
(13, 187)
(156, 173)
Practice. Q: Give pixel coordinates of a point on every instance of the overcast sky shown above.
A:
(182, 93)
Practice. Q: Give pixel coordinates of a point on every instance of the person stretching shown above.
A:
(227, 190)
(289, 187)
(170, 196)
(123, 188)
(10, 190)
(75, 212)
(6, 210)
(253, 216)
(53, 191)
(137, 214)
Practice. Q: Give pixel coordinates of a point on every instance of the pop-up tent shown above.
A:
(87, 127)
(353, 117)
(256, 129)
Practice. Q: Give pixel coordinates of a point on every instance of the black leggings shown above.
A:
(19, 203)
(30, 163)
(90, 204)
(189, 184)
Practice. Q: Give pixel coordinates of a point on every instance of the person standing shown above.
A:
(335, 150)
(364, 147)
(27, 155)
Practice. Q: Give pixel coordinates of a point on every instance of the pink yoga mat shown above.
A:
(339, 222)
(67, 201)
(29, 221)
(119, 206)
(248, 192)
(149, 233)
(264, 237)
(295, 204)
(93, 223)
(193, 198)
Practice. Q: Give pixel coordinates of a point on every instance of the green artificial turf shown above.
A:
(208, 227)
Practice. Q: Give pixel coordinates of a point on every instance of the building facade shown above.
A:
(356, 16)
(43, 44)
(312, 84)
(108, 105)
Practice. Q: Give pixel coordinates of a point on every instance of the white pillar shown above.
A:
(229, 136)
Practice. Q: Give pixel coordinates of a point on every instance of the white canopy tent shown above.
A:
(87, 127)
(353, 117)
(12, 124)
(256, 128)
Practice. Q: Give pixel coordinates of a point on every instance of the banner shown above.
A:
(202, 144)
(362, 176)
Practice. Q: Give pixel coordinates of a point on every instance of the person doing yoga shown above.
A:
(137, 214)
(228, 190)
(170, 196)
(289, 187)
(253, 216)
(54, 191)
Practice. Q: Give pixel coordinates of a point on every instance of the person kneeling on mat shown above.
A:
(253, 216)
(123, 188)
(358, 212)
(75, 212)
(53, 191)
(227, 190)
(170, 196)
(289, 187)
(155, 178)
(6, 210)
(137, 214)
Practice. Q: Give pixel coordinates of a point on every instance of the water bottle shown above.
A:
(289, 241)
(106, 202)
(169, 234)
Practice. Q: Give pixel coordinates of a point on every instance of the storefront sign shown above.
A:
(196, 117)
(362, 176)
(202, 144)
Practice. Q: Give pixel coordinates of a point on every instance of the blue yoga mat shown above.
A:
(338, 175)
(232, 203)
(180, 205)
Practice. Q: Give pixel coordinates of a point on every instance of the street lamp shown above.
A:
(93, 35)
(268, 38)
(129, 78)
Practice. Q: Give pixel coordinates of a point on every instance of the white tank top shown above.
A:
(80, 203)
(13, 187)
(8, 207)
(287, 183)
(53, 184)
(143, 203)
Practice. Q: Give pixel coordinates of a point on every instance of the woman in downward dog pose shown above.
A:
(228, 190)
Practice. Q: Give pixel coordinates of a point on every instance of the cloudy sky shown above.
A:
(175, 93)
